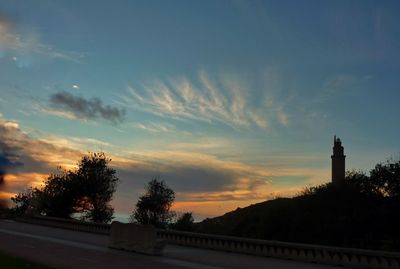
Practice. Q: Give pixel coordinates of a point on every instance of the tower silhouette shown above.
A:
(338, 161)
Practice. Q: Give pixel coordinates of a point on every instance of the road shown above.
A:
(62, 248)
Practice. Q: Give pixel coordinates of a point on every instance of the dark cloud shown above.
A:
(8, 155)
(5, 164)
(185, 178)
(200, 179)
(82, 108)
(15, 153)
(21, 154)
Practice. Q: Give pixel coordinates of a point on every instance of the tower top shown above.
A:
(336, 141)
(338, 161)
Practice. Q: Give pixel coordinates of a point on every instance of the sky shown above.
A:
(229, 102)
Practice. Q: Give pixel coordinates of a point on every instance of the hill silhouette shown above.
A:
(339, 215)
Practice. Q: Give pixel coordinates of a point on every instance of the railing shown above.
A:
(353, 258)
(70, 224)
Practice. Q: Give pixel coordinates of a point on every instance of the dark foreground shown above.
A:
(70, 249)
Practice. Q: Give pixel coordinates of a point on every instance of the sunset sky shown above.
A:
(230, 102)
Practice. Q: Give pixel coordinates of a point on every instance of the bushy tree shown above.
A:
(184, 222)
(383, 181)
(386, 176)
(27, 202)
(97, 183)
(86, 191)
(363, 183)
(154, 206)
(58, 195)
(3, 208)
(3, 203)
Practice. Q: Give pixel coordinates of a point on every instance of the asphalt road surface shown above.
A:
(62, 248)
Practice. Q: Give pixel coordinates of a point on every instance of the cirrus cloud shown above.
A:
(227, 98)
(24, 47)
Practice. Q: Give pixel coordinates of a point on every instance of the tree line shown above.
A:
(87, 191)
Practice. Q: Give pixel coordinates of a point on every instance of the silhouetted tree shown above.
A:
(86, 191)
(3, 204)
(363, 183)
(386, 176)
(3, 208)
(27, 202)
(56, 198)
(184, 222)
(154, 206)
(312, 190)
(96, 183)
(58, 195)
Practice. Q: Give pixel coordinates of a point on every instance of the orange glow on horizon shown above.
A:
(211, 208)
(35, 179)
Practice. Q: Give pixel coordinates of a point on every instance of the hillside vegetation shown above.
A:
(362, 212)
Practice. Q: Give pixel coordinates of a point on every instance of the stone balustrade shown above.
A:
(70, 224)
(352, 258)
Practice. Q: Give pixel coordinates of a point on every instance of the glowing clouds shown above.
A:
(204, 183)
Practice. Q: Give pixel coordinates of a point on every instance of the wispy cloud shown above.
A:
(22, 46)
(278, 111)
(77, 143)
(339, 86)
(70, 106)
(7, 38)
(226, 99)
(153, 127)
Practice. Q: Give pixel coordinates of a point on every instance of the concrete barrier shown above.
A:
(136, 237)
(353, 258)
(70, 224)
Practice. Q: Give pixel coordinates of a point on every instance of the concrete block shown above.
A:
(135, 237)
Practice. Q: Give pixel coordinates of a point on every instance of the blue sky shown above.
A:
(231, 102)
